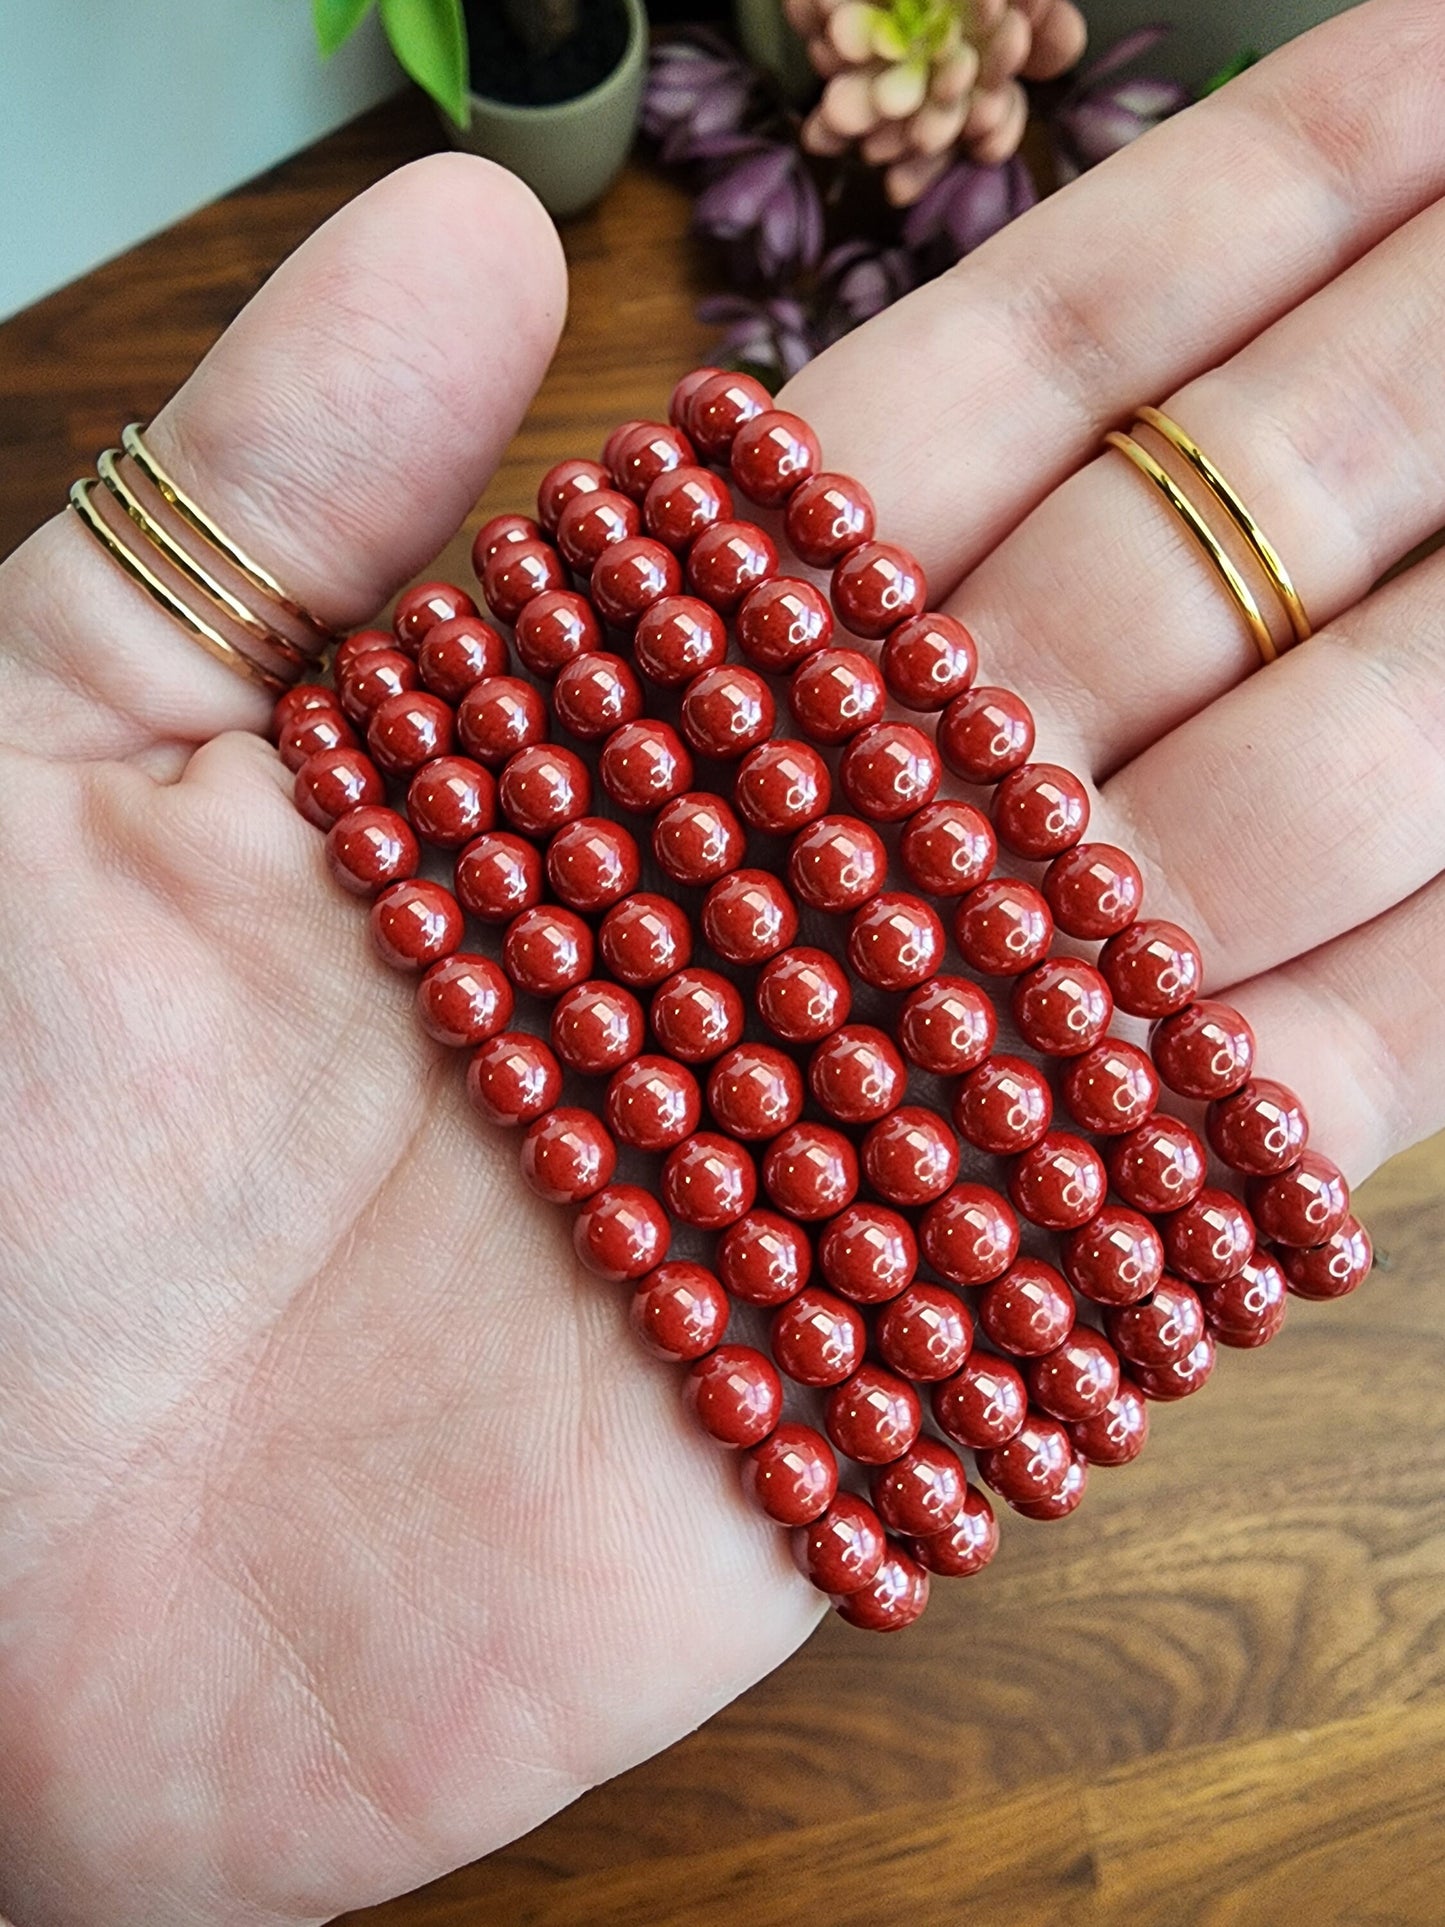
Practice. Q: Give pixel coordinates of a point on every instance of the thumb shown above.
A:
(339, 431)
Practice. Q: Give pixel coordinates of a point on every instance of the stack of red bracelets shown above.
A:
(864, 1192)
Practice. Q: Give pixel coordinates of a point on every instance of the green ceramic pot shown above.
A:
(571, 152)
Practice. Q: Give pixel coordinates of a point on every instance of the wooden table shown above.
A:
(1218, 1695)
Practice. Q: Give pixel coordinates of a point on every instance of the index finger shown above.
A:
(965, 403)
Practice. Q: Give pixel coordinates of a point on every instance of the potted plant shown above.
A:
(550, 88)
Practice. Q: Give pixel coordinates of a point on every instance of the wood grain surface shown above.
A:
(1215, 1696)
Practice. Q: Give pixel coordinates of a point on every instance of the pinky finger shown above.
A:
(1357, 1027)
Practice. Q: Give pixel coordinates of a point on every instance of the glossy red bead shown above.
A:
(910, 1157)
(868, 1253)
(764, 1258)
(803, 995)
(1040, 810)
(498, 876)
(736, 1395)
(647, 452)
(683, 391)
(1118, 1434)
(592, 863)
(408, 730)
(1248, 1309)
(513, 1078)
(729, 560)
(563, 483)
(335, 781)
(1077, 1380)
(1059, 1183)
(1067, 1499)
(1159, 1329)
(644, 765)
(966, 1546)
(873, 1417)
(516, 573)
(1158, 1166)
(1032, 1466)
(360, 643)
(718, 408)
(451, 800)
(645, 938)
(597, 1027)
(500, 716)
(495, 534)
(927, 661)
(1305, 1204)
(836, 864)
(755, 1091)
(1153, 968)
(696, 838)
(889, 771)
(947, 1026)
(677, 638)
(1003, 927)
(544, 787)
(679, 1311)
(772, 455)
(419, 609)
(1117, 1258)
(817, 1338)
(922, 1491)
(1260, 1129)
(876, 586)
(1204, 1051)
(1111, 1088)
(827, 515)
(567, 1155)
(835, 694)
(1209, 1239)
(969, 1235)
(303, 698)
(727, 711)
(982, 1405)
(628, 577)
(925, 1333)
(985, 733)
(781, 623)
(414, 923)
(856, 1075)
(593, 523)
(947, 848)
(596, 694)
(1332, 1269)
(622, 1232)
(371, 679)
(696, 1015)
(1004, 1106)
(547, 950)
(652, 1103)
(684, 501)
(554, 629)
(1062, 1006)
(709, 1180)
(843, 1548)
(781, 786)
(1094, 890)
(895, 941)
(464, 1000)
(792, 1476)
(810, 1171)
(1182, 1377)
(1029, 1311)
(894, 1597)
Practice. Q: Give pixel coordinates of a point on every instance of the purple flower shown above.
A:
(698, 89)
(770, 335)
(965, 206)
(766, 201)
(860, 280)
(1101, 112)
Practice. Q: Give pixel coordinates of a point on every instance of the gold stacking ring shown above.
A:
(278, 659)
(1255, 540)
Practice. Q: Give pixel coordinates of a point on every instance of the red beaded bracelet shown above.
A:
(831, 1222)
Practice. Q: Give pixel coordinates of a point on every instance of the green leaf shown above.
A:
(1244, 59)
(336, 21)
(429, 38)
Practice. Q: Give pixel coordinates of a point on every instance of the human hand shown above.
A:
(343, 1534)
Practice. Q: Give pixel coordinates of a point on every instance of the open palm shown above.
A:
(343, 1533)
